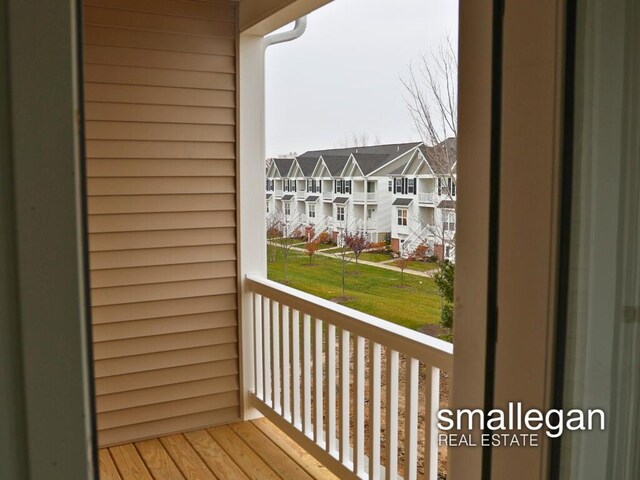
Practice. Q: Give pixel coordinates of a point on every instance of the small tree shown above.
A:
(444, 280)
(274, 226)
(422, 252)
(357, 243)
(310, 249)
(289, 231)
(402, 263)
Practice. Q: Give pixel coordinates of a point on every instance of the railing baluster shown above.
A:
(345, 383)
(286, 365)
(266, 324)
(275, 357)
(295, 354)
(359, 406)
(331, 390)
(375, 401)
(411, 421)
(432, 391)
(306, 376)
(257, 342)
(318, 401)
(391, 427)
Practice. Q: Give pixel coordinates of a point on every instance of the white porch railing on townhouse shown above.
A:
(327, 195)
(301, 195)
(425, 234)
(279, 193)
(359, 197)
(427, 198)
(372, 197)
(316, 362)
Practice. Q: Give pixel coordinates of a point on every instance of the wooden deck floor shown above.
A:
(248, 450)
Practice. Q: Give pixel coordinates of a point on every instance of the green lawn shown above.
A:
(375, 257)
(369, 289)
(422, 266)
(289, 241)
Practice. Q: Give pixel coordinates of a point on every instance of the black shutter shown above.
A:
(404, 186)
(415, 186)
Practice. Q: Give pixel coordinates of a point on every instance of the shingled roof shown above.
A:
(441, 158)
(284, 165)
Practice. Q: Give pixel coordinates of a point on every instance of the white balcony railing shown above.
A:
(311, 380)
(359, 197)
(427, 198)
(327, 195)
(301, 195)
(279, 193)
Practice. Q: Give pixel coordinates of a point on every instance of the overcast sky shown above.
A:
(343, 75)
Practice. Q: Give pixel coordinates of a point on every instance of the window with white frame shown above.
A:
(391, 185)
(448, 220)
(447, 251)
(340, 214)
(370, 212)
(446, 186)
(403, 215)
(287, 208)
(312, 210)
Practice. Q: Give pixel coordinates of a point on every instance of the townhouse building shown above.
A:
(403, 193)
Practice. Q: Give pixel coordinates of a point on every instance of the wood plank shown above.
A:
(214, 455)
(186, 458)
(144, 167)
(157, 361)
(164, 186)
(156, 149)
(101, 242)
(108, 470)
(293, 450)
(135, 222)
(153, 429)
(159, 113)
(157, 460)
(249, 461)
(280, 462)
(101, 130)
(162, 326)
(129, 463)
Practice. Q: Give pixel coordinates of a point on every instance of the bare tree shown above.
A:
(358, 139)
(357, 242)
(431, 95)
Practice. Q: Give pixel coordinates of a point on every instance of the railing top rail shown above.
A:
(429, 350)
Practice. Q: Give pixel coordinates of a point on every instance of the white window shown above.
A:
(340, 214)
(402, 217)
(398, 185)
(371, 187)
(448, 220)
(287, 208)
(370, 213)
(312, 210)
(391, 185)
(447, 251)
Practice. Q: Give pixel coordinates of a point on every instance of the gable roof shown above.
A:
(368, 158)
(442, 158)
(283, 165)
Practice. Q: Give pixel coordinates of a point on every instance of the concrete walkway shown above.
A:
(384, 265)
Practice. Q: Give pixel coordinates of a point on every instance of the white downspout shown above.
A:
(298, 29)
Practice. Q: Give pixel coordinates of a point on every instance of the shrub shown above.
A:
(324, 238)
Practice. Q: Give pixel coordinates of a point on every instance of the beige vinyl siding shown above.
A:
(160, 135)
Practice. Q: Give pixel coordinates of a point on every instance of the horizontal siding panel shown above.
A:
(136, 94)
(167, 426)
(158, 77)
(159, 185)
(136, 167)
(131, 222)
(158, 131)
(163, 308)
(161, 203)
(159, 113)
(170, 7)
(100, 242)
(166, 393)
(163, 326)
(157, 149)
(157, 22)
(164, 343)
(148, 413)
(161, 256)
(165, 376)
(161, 360)
(164, 273)
(119, 37)
(162, 291)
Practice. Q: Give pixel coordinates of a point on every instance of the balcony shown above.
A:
(427, 199)
(255, 449)
(327, 196)
(328, 375)
(279, 193)
(361, 197)
(301, 195)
